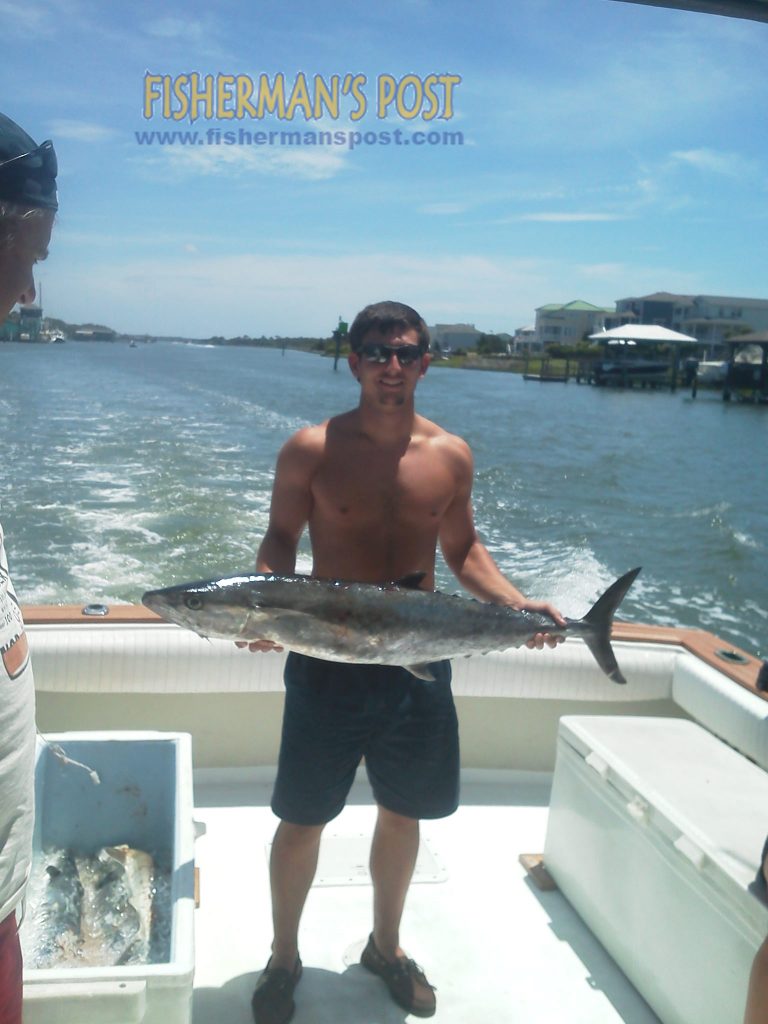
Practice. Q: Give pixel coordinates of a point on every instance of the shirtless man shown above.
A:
(379, 487)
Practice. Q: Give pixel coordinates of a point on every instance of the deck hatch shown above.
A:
(344, 861)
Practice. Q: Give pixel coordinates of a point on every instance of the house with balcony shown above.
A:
(524, 339)
(569, 323)
(711, 319)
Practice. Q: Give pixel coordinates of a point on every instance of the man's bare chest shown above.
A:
(376, 488)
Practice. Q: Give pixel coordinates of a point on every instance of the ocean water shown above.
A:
(128, 468)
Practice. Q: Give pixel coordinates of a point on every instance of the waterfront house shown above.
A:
(569, 323)
(711, 319)
(449, 337)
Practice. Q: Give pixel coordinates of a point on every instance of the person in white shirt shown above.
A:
(28, 203)
(756, 1011)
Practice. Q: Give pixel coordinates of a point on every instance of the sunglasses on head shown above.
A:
(42, 157)
(406, 355)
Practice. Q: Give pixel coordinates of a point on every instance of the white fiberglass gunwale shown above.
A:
(734, 663)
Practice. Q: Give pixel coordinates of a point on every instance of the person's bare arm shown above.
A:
(289, 512)
(470, 560)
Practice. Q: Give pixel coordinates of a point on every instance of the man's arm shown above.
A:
(469, 559)
(291, 503)
(289, 512)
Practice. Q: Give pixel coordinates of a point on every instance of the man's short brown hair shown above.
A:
(383, 316)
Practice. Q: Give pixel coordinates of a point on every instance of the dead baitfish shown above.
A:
(92, 911)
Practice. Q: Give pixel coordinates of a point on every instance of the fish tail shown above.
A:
(599, 620)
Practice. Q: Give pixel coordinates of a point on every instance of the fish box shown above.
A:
(143, 801)
(654, 836)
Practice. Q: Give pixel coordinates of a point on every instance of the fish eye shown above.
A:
(193, 602)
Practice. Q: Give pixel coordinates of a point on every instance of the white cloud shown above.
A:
(731, 165)
(665, 83)
(285, 293)
(602, 271)
(312, 163)
(22, 18)
(81, 131)
(571, 218)
(176, 28)
(617, 280)
(41, 20)
(302, 293)
(444, 209)
(182, 35)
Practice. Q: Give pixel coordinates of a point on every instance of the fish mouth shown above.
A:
(173, 609)
(157, 602)
(151, 599)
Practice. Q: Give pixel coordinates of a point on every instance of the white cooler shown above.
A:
(145, 800)
(655, 833)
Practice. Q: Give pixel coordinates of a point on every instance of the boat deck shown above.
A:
(498, 949)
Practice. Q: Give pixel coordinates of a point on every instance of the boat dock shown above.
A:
(548, 374)
(636, 373)
(658, 363)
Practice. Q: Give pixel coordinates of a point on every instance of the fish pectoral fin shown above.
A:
(421, 671)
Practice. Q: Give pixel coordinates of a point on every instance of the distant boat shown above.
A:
(747, 376)
(632, 355)
(631, 371)
(711, 372)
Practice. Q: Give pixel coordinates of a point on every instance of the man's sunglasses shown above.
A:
(406, 355)
(42, 157)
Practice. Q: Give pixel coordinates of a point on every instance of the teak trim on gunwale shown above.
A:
(705, 646)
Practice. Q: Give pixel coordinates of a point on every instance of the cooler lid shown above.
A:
(704, 796)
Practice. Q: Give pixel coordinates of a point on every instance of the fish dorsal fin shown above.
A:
(410, 582)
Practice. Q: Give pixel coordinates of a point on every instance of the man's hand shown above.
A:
(538, 641)
(256, 646)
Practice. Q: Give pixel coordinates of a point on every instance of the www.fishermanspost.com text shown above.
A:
(340, 137)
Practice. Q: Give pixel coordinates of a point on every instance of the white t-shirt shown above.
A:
(17, 747)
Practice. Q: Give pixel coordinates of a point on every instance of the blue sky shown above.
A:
(609, 150)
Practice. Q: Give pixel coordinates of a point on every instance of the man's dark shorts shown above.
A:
(337, 713)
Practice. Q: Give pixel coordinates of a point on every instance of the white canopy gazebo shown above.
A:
(628, 364)
(630, 333)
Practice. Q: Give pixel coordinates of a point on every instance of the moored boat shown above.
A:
(711, 373)
(628, 372)
(747, 374)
